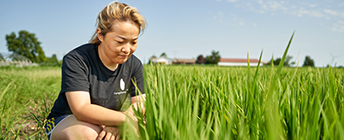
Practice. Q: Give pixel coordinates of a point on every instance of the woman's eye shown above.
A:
(133, 43)
(120, 42)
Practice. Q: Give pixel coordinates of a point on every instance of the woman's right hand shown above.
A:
(132, 120)
(109, 133)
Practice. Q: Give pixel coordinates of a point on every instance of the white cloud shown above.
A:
(232, 0)
(312, 5)
(331, 12)
(337, 28)
(272, 5)
(340, 5)
(241, 23)
(277, 5)
(301, 12)
(219, 16)
(316, 14)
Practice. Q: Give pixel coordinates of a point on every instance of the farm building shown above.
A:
(239, 62)
(162, 60)
(185, 61)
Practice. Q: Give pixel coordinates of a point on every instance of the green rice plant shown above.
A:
(26, 98)
(8, 122)
(201, 102)
(212, 102)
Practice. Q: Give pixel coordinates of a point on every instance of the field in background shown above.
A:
(26, 96)
(199, 102)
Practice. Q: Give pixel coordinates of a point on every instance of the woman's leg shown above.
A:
(71, 128)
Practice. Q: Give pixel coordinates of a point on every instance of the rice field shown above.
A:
(198, 102)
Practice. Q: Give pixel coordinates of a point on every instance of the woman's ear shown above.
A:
(100, 35)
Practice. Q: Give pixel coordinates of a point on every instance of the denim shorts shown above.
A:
(52, 123)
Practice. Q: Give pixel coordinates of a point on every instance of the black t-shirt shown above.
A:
(82, 70)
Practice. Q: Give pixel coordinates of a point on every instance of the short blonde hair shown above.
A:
(117, 11)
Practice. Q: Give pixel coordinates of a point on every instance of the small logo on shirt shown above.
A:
(122, 87)
(121, 84)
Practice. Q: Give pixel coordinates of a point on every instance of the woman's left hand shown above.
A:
(109, 133)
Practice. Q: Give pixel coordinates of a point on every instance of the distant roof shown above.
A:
(186, 60)
(238, 60)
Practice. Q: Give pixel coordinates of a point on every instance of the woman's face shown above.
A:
(118, 44)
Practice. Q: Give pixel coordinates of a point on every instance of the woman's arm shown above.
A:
(80, 104)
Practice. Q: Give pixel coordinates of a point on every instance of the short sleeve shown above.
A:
(137, 78)
(74, 74)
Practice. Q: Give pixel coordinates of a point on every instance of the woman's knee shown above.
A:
(71, 128)
(88, 130)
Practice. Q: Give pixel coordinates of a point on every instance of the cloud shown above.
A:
(338, 28)
(301, 12)
(312, 5)
(331, 12)
(272, 5)
(219, 16)
(340, 5)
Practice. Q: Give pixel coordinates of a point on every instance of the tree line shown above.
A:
(27, 45)
(308, 62)
(215, 57)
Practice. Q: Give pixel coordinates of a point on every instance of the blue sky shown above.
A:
(188, 28)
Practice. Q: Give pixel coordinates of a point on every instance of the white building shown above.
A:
(162, 60)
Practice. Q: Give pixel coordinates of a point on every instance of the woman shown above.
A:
(98, 77)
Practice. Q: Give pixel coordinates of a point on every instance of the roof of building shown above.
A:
(237, 60)
(186, 60)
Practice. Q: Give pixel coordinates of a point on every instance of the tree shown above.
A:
(1, 57)
(152, 58)
(163, 55)
(308, 62)
(26, 44)
(201, 60)
(287, 60)
(52, 61)
(277, 61)
(214, 58)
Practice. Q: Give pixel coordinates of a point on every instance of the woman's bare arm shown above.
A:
(80, 104)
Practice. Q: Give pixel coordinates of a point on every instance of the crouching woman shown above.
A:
(97, 78)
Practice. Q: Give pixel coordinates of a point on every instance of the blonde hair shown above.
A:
(117, 11)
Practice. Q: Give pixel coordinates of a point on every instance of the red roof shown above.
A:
(238, 60)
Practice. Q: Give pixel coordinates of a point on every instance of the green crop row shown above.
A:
(198, 102)
(195, 102)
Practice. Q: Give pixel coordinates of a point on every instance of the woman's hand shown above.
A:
(109, 133)
(131, 114)
(132, 120)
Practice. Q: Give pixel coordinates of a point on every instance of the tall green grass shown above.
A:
(195, 102)
(26, 97)
(199, 102)
(192, 102)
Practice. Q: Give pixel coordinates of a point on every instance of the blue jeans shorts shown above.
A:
(52, 123)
